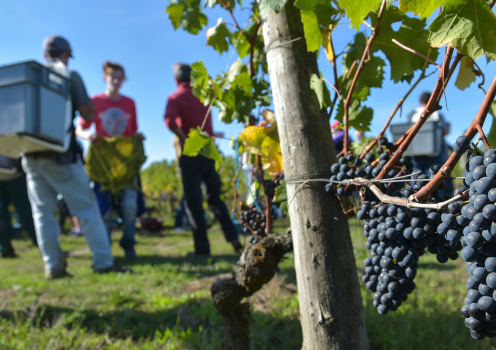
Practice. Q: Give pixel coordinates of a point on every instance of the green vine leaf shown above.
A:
(423, 8)
(201, 143)
(316, 16)
(242, 44)
(360, 117)
(412, 32)
(244, 81)
(466, 75)
(312, 31)
(187, 14)
(468, 26)
(219, 37)
(319, 86)
(358, 10)
(199, 80)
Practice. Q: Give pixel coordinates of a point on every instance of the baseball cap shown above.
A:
(56, 43)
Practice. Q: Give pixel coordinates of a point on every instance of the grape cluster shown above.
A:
(392, 266)
(256, 221)
(351, 167)
(270, 188)
(479, 243)
(397, 236)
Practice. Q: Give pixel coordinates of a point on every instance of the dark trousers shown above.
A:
(194, 172)
(180, 212)
(14, 191)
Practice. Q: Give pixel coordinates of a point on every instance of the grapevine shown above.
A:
(404, 214)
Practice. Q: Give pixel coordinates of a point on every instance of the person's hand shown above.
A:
(92, 138)
(141, 136)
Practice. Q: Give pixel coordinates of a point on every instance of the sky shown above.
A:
(139, 35)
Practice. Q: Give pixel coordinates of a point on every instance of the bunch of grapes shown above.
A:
(397, 236)
(271, 185)
(351, 167)
(479, 242)
(392, 266)
(255, 220)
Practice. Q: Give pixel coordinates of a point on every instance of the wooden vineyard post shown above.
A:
(331, 310)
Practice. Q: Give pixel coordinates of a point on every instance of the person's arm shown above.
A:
(85, 134)
(180, 133)
(172, 117)
(87, 112)
(80, 99)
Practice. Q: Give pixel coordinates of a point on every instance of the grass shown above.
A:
(166, 303)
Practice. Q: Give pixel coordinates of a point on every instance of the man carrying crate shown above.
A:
(50, 173)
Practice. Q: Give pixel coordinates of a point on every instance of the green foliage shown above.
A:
(219, 37)
(357, 146)
(281, 196)
(201, 143)
(162, 179)
(469, 26)
(187, 14)
(317, 16)
(358, 10)
(411, 33)
(311, 27)
(360, 117)
(166, 304)
(319, 86)
(423, 8)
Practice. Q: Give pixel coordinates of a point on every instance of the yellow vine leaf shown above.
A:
(466, 75)
(272, 160)
(251, 139)
(329, 50)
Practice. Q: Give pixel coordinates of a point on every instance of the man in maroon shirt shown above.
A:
(184, 112)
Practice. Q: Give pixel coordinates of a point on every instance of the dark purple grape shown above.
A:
(479, 172)
(489, 212)
(491, 170)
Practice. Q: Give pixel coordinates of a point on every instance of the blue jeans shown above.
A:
(128, 209)
(45, 180)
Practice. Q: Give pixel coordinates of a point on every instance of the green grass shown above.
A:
(166, 303)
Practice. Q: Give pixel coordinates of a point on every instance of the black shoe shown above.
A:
(237, 246)
(130, 255)
(114, 268)
(9, 254)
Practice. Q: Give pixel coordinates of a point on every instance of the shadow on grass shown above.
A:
(425, 327)
(197, 315)
(177, 260)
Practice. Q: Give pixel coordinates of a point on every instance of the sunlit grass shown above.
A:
(166, 303)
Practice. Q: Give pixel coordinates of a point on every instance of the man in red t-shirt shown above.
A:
(115, 115)
(184, 112)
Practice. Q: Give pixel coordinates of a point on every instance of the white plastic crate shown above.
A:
(428, 141)
(35, 109)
